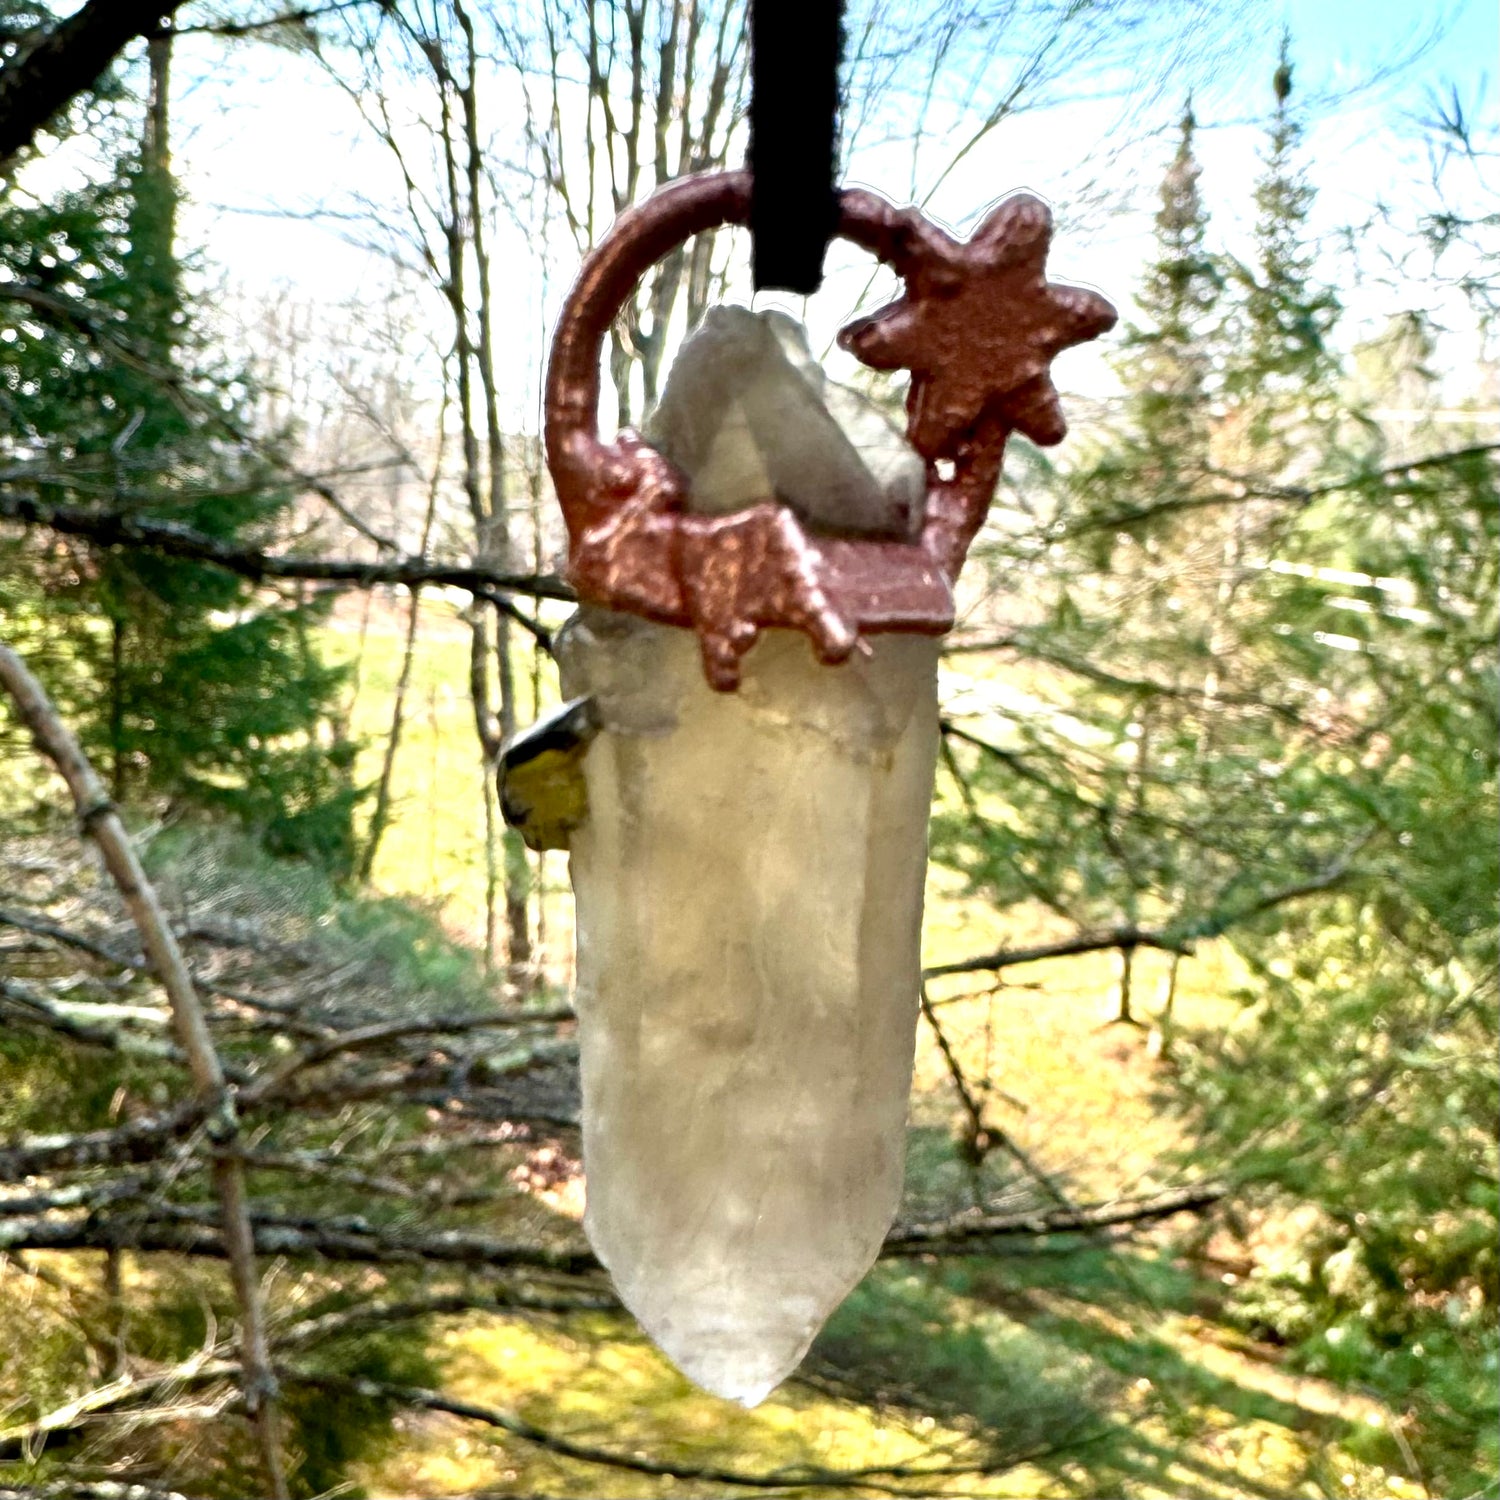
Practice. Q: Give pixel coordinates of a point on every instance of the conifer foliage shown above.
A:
(183, 681)
(1262, 704)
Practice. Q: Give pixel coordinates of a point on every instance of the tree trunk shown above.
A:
(1124, 1015)
(117, 772)
(67, 62)
(495, 539)
(380, 817)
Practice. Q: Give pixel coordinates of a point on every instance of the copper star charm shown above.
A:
(978, 327)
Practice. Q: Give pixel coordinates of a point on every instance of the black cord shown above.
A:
(795, 47)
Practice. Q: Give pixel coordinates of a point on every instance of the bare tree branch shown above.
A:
(364, 1037)
(366, 1315)
(303, 17)
(972, 1230)
(799, 1476)
(136, 1141)
(184, 1230)
(171, 539)
(102, 1489)
(91, 1025)
(101, 822)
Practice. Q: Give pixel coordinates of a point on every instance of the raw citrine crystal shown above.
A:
(749, 879)
(749, 910)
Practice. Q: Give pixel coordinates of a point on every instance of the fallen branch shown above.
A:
(102, 1489)
(973, 1229)
(346, 1240)
(22, 1437)
(91, 1025)
(443, 1304)
(101, 822)
(139, 1140)
(41, 927)
(185, 1230)
(364, 1037)
(798, 1476)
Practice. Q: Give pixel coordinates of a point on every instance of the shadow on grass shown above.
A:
(1062, 1361)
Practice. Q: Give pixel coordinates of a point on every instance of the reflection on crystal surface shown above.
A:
(749, 905)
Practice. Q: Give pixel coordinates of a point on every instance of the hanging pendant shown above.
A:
(744, 768)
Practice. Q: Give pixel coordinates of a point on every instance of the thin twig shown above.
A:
(101, 822)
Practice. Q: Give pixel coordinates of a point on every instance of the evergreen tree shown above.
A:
(1283, 371)
(1361, 1079)
(182, 679)
(1168, 368)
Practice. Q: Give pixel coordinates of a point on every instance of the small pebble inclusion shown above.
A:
(749, 889)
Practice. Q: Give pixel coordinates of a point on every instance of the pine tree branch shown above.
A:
(1027, 645)
(1181, 938)
(1083, 942)
(1240, 488)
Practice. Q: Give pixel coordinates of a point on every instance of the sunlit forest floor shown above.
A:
(1064, 1367)
(1107, 1369)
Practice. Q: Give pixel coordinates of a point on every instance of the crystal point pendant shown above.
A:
(743, 770)
(749, 907)
(748, 887)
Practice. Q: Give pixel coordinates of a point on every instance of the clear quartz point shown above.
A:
(748, 884)
(749, 908)
(749, 415)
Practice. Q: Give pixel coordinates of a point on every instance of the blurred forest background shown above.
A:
(1202, 1184)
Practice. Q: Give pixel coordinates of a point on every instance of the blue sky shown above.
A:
(259, 131)
(1340, 33)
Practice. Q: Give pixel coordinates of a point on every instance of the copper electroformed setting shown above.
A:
(978, 326)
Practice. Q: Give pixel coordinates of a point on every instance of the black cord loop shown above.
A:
(795, 48)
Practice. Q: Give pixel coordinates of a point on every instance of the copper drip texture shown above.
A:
(977, 325)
